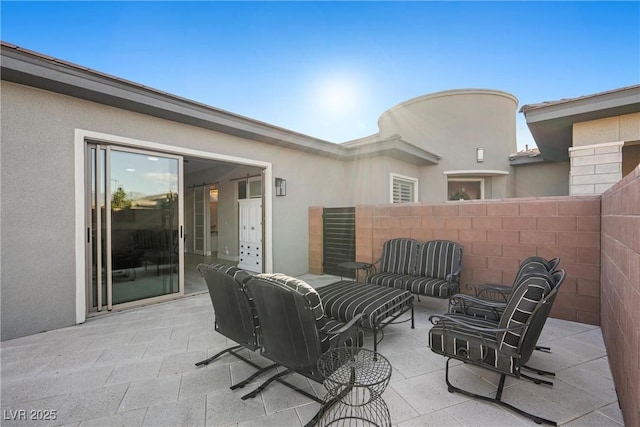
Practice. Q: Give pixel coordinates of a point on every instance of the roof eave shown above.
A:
(394, 147)
(24, 67)
(552, 124)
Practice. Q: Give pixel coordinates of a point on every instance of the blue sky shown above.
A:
(330, 69)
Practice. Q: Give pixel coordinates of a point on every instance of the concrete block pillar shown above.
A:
(595, 168)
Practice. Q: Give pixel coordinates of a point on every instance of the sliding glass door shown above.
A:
(135, 230)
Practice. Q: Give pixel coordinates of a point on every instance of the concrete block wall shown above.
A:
(496, 235)
(595, 168)
(620, 290)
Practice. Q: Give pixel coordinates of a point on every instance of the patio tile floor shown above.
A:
(136, 368)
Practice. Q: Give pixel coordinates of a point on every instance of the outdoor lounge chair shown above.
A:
(504, 347)
(295, 330)
(491, 299)
(235, 314)
(500, 292)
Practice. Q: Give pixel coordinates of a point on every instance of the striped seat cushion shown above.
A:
(451, 340)
(432, 287)
(392, 280)
(345, 299)
(427, 286)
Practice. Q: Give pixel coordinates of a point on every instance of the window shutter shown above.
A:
(402, 191)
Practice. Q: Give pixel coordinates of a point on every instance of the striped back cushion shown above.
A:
(304, 289)
(523, 300)
(398, 256)
(438, 258)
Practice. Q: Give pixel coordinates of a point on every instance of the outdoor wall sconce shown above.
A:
(281, 187)
(480, 154)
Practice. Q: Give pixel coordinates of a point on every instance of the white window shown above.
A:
(404, 189)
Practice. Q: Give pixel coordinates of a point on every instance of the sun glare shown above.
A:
(337, 96)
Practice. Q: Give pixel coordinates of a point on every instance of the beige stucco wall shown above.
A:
(38, 263)
(452, 124)
(619, 128)
(542, 179)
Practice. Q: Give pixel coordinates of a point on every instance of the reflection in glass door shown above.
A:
(137, 248)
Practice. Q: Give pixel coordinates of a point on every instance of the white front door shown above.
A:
(250, 234)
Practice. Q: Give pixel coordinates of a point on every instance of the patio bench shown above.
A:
(430, 268)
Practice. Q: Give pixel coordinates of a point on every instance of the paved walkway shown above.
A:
(136, 368)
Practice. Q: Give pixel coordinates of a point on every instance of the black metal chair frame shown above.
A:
(294, 345)
(530, 333)
(234, 317)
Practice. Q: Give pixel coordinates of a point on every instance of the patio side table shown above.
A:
(356, 266)
(355, 379)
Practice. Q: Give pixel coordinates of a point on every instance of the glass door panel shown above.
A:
(136, 248)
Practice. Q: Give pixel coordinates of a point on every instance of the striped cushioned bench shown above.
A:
(380, 305)
(429, 268)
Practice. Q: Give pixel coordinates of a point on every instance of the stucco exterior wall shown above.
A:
(454, 123)
(38, 196)
(619, 128)
(539, 180)
(620, 290)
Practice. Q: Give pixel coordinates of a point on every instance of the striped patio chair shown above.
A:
(504, 347)
(295, 329)
(235, 314)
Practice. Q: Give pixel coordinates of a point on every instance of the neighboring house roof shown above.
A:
(526, 157)
(551, 123)
(34, 69)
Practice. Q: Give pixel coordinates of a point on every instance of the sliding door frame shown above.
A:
(82, 137)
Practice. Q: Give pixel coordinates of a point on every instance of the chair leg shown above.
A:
(231, 350)
(497, 399)
(540, 371)
(254, 376)
(413, 325)
(536, 380)
(277, 377)
(215, 356)
(542, 348)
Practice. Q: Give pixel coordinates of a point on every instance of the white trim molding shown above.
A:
(476, 172)
(593, 146)
(82, 136)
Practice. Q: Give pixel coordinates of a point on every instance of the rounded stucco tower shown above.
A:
(473, 131)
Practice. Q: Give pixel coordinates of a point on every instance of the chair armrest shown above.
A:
(454, 276)
(468, 300)
(374, 267)
(469, 325)
(349, 330)
(462, 303)
(485, 291)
